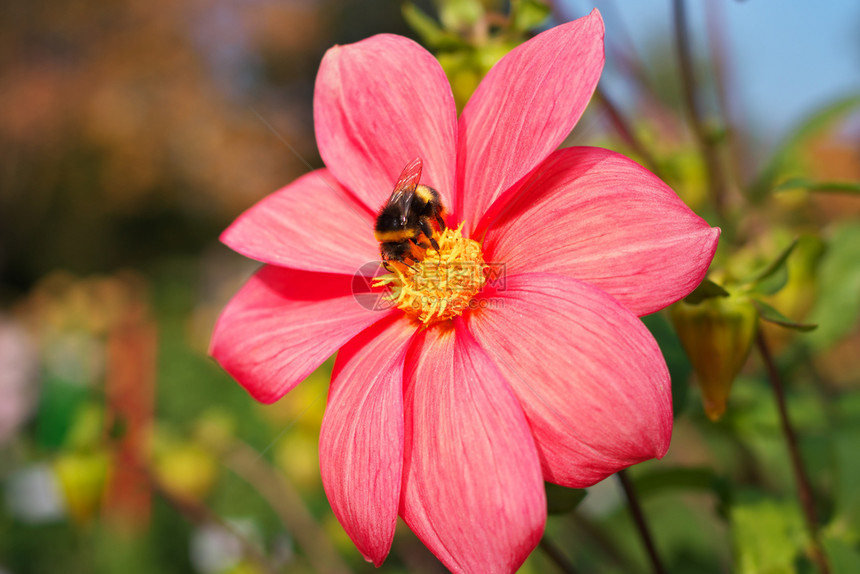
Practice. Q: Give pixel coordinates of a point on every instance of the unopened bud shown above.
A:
(186, 470)
(82, 477)
(717, 335)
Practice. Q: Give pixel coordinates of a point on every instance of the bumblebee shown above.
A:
(405, 220)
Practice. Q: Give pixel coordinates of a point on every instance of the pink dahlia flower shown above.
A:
(452, 416)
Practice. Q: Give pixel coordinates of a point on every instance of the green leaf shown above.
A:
(58, 407)
(768, 535)
(676, 359)
(771, 315)
(528, 14)
(460, 15)
(838, 305)
(775, 275)
(561, 500)
(846, 519)
(849, 187)
(772, 284)
(843, 557)
(87, 427)
(707, 289)
(429, 30)
(784, 156)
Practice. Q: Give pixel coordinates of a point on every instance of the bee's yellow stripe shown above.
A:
(394, 236)
(423, 192)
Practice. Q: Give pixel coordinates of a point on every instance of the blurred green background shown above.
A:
(132, 133)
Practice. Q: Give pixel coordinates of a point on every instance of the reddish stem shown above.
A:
(804, 490)
(707, 145)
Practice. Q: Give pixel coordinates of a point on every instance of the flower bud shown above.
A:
(717, 335)
(82, 477)
(186, 470)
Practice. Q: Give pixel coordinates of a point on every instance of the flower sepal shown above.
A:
(772, 315)
(707, 289)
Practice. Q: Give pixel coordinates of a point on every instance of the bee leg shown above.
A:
(440, 221)
(414, 269)
(425, 227)
(390, 266)
(428, 231)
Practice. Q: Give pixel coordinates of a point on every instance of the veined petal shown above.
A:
(284, 323)
(594, 215)
(311, 224)
(472, 488)
(361, 440)
(589, 375)
(524, 108)
(379, 104)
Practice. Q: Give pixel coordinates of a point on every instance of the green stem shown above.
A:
(804, 491)
(595, 537)
(639, 519)
(201, 514)
(287, 503)
(555, 554)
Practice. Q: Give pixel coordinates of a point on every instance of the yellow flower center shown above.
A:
(443, 284)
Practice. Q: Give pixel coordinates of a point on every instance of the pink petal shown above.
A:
(594, 215)
(524, 108)
(589, 375)
(283, 324)
(472, 488)
(361, 440)
(379, 104)
(312, 224)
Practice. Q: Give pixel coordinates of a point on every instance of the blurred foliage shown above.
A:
(471, 36)
(131, 135)
(129, 130)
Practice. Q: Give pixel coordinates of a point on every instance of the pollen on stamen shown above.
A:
(442, 285)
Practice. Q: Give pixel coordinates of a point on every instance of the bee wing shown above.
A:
(410, 176)
(404, 190)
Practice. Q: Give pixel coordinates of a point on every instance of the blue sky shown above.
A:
(788, 57)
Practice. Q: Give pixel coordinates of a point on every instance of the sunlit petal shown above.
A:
(379, 104)
(361, 440)
(283, 324)
(472, 488)
(524, 108)
(594, 215)
(588, 374)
